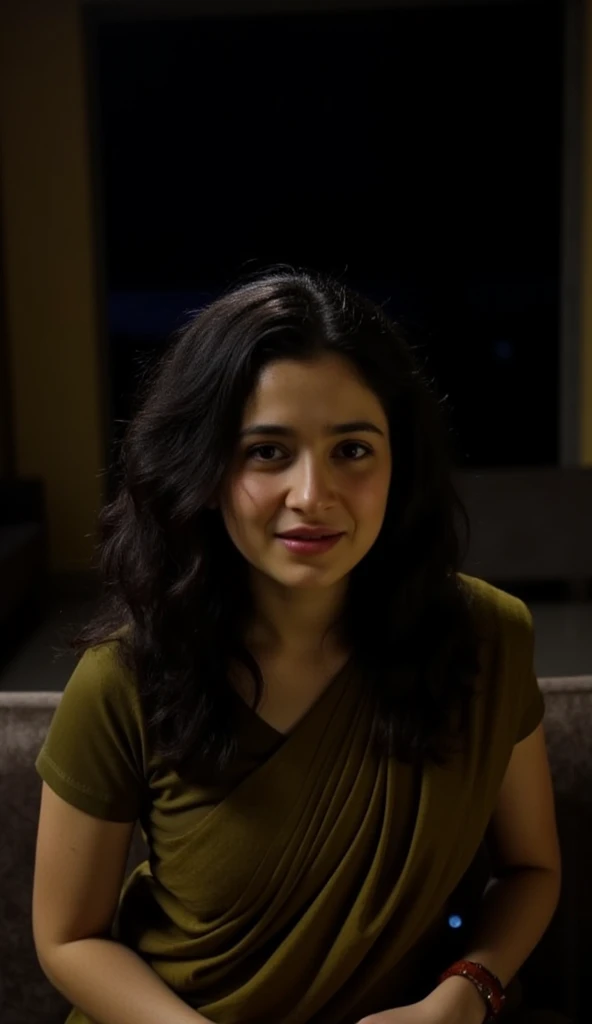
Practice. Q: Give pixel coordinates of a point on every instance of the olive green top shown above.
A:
(313, 881)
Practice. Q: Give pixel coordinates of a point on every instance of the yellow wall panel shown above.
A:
(48, 257)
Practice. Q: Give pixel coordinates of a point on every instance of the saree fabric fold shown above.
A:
(313, 882)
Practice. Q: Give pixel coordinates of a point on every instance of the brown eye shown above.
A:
(265, 453)
(353, 451)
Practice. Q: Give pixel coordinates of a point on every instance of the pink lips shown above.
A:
(310, 541)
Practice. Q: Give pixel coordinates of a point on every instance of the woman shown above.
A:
(315, 718)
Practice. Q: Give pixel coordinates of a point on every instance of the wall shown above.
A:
(49, 316)
(49, 299)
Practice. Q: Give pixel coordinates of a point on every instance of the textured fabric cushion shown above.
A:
(557, 969)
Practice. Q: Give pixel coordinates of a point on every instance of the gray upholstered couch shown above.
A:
(561, 964)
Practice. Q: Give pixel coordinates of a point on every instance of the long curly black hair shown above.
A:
(175, 588)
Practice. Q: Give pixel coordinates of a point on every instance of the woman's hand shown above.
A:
(415, 1013)
(455, 1001)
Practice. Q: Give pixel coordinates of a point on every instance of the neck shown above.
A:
(298, 622)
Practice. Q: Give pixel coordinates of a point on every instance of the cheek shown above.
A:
(370, 496)
(250, 497)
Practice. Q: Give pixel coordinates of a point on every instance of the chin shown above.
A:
(309, 579)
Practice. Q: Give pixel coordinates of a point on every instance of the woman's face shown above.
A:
(313, 461)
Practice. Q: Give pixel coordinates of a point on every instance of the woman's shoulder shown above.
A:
(95, 752)
(495, 609)
(104, 672)
(505, 625)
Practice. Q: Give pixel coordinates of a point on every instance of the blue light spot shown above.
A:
(455, 921)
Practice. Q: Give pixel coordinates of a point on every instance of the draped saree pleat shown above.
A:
(314, 885)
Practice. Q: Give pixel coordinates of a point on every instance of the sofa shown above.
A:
(558, 974)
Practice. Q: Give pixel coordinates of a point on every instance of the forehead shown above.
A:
(327, 388)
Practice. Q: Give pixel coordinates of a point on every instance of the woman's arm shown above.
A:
(515, 913)
(79, 869)
(517, 908)
(112, 985)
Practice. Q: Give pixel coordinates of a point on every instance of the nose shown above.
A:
(310, 486)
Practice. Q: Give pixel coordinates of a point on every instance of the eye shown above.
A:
(354, 451)
(265, 453)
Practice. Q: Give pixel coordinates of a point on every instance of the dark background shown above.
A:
(414, 153)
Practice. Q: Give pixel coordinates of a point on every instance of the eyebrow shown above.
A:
(355, 427)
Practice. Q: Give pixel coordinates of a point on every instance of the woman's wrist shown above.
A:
(458, 1001)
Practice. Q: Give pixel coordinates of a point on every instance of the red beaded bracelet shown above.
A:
(489, 986)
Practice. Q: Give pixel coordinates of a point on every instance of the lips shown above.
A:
(322, 533)
(308, 538)
(303, 544)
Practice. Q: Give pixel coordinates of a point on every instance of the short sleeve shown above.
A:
(94, 753)
(532, 700)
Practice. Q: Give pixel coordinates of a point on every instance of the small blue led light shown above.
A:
(455, 921)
